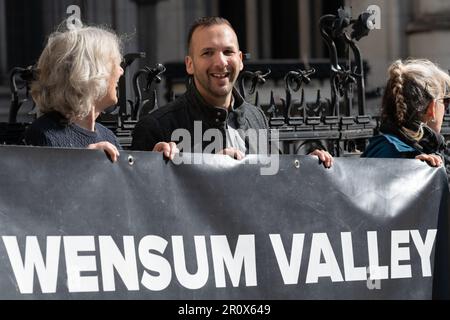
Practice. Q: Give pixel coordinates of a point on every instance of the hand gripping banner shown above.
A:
(73, 225)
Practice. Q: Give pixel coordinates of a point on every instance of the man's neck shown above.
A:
(221, 102)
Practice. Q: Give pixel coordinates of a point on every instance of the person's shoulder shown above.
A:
(49, 120)
(247, 106)
(158, 125)
(398, 144)
(106, 134)
(45, 125)
(104, 131)
(252, 111)
(44, 130)
(167, 111)
(387, 146)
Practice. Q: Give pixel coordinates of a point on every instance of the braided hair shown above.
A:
(411, 86)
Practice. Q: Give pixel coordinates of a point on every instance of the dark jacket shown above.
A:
(393, 143)
(181, 114)
(53, 130)
(389, 146)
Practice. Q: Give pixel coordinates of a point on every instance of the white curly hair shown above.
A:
(74, 69)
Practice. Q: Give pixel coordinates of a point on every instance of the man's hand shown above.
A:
(233, 152)
(110, 149)
(324, 156)
(432, 159)
(169, 149)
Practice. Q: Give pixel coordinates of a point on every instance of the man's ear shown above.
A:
(431, 110)
(189, 65)
(241, 63)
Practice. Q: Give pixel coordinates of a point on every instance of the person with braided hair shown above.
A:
(415, 99)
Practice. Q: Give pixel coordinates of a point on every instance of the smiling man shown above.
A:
(210, 101)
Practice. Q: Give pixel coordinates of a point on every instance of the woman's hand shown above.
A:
(110, 149)
(432, 159)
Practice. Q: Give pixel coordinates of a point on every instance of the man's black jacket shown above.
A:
(181, 114)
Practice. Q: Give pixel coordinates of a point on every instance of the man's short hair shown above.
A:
(206, 22)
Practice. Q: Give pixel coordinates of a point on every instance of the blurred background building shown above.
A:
(268, 30)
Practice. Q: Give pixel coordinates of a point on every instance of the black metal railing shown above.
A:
(330, 120)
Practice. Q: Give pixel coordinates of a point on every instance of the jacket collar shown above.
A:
(215, 116)
(431, 141)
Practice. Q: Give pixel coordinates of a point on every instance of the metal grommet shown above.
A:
(296, 164)
(130, 160)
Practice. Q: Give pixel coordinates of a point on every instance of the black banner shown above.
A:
(75, 226)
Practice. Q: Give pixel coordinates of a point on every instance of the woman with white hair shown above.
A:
(414, 102)
(76, 79)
